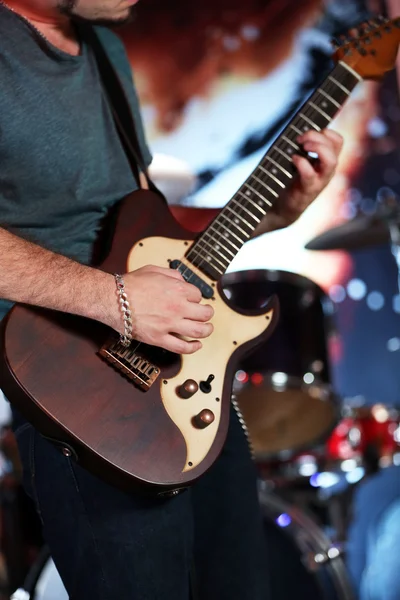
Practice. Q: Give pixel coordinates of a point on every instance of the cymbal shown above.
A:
(361, 232)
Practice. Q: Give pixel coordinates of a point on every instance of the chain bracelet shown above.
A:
(126, 337)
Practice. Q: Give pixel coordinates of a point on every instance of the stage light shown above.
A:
(380, 413)
(283, 520)
(348, 465)
(324, 480)
(241, 376)
(356, 289)
(279, 379)
(375, 300)
(356, 475)
(257, 378)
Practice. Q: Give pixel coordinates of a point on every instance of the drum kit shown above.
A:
(304, 441)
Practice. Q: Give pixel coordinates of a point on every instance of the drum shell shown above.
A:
(303, 563)
(283, 389)
(299, 343)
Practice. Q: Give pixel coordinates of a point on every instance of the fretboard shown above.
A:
(215, 249)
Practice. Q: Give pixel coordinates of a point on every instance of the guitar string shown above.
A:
(217, 228)
(214, 233)
(203, 253)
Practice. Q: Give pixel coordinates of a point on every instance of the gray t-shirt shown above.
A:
(62, 165)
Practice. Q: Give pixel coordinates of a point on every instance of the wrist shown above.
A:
(125, 309)
(104, 306)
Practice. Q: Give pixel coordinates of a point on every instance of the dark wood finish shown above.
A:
(51, 372)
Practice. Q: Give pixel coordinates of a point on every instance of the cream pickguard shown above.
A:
(231, 330)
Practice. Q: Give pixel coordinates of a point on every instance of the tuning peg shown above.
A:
(346, 39)
(335, 44)
(374, 23)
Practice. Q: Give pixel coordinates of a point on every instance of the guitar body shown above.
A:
(127, 414)
(52, 372)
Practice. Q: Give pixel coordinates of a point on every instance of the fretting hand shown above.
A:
(313, 176)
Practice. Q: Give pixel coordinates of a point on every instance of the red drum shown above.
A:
(365, 432)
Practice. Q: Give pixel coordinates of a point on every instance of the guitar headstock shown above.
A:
(371, 49)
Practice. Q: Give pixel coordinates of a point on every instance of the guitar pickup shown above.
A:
(133, 365)
(188, 275)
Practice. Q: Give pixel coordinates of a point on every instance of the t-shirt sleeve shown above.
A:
(117, 54)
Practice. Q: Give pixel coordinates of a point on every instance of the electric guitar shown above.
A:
(142, 415)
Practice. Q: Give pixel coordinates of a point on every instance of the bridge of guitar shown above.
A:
(131, 363)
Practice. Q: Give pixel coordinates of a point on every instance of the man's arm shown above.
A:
(33, 275)
(165, 308)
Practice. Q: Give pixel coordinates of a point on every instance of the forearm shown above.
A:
(33, 275)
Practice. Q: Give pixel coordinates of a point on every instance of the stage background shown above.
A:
(218, 80)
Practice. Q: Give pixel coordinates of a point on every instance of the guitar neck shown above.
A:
(218, 245)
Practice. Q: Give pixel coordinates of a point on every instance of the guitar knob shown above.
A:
(204, 418)
(188, 389)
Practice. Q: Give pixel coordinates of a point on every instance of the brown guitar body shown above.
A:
(52, 372)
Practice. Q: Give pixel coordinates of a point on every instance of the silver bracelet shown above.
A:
(126, 337)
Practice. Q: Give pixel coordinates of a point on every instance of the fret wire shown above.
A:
(262, 211)
(242, 219)
(311, 114)
(291, 142)
(218, 240)
(268, 188)
(321, 91)
(226, 239)
(246, 209)
(344, 89)
(352, 71)
(260, 181)
(263, 183)
(225, 258)
(258, 193)
(287, 156)
(272, 177)
(295, 129)
(321, 112)
(279, 167)
(318, 116)
(227, 228)
(203, 256)
(311, 123)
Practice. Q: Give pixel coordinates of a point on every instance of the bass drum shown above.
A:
(283, 389)
(302, 561)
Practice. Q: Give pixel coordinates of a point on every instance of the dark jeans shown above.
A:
(109, 545)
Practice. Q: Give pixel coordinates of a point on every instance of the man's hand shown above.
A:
(165, 308)
(313, 177)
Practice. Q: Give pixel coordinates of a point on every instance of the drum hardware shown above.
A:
(365, 231)
(20, 594)
(357, 234)
(323, 557)
(42, 582)
(315, 564)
